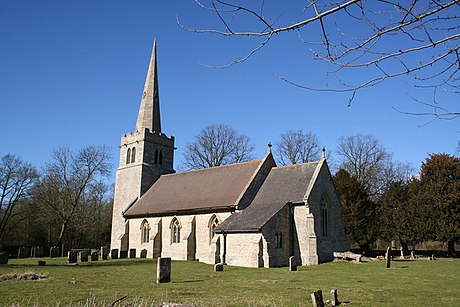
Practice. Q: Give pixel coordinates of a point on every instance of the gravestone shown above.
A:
(32, 251)
(41, 262)
(218, 267)
(84, 256)
(292, 264)
(402, 253)
(132, 253)
(54, 252)
(73, 255)
(317, 298)
(412, 255)
(114, 253)
(104, 252)
(123, 254)
(388, 257)
(334, 298)
(4, 258)
(163, 270)
(94, 256)
(23, 252)
(39, 252)
(144, 253)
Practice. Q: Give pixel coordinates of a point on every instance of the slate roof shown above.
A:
(210, 188)
(285, 184)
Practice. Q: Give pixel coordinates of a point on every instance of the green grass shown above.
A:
(406, 283)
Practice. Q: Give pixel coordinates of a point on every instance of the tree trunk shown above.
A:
(451, 247)
(403, 245)
(62, 233)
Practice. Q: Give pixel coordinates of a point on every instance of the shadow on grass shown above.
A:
(107, 263)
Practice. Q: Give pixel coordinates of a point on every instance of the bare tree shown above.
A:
(68, 179)
(217, 145)
(16, 179)
(297, 147)
(385, 38)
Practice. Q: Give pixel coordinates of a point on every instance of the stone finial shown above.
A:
(323, 153)
(269, 145)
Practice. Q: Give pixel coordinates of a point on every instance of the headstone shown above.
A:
(402, 252)
(123, 254)
(412, 255)
(32, 251)
(23, 252)
(4, 258)
(94, 256)
(432, 257)
(73, 255)
(39, 252)
(317, 298)
(292, 264)
(41, 262)
(104, 252)
(144, 253)
(388, 258)
(132, 253)
(218, 267)
(84, 256)
(114, 253)
(54, 252)
(334, 298)
(163, 270)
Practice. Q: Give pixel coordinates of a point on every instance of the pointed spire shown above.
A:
(149, 111)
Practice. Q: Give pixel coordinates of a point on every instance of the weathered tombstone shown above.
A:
(388, 257)
(317, 298)
(39, 252)
(163, 270)
(104, 252)
(73, 255)
(32, 251)
(123, 254)
(41, 262)
(334, 298)
(132, 253)
(432, 257)
(4, 258)
(114, 253)
(23, 252)
(412, 255)
(84, 256)
(402, 253)
(94, 256)
(54, 252)
(144, 253)
(218, 267)
(292, 264)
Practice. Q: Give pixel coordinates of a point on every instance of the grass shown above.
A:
(406, 283)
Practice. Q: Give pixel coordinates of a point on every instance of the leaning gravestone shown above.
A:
(23, 252)
(54, 252)
(163, 270)
(317, 298)
(132, 253)
(388, 258)
(292, 264)
(73, 255)
(218, 267)
(104, 252)
(144, 253)
(4, 258)
(334, 298)
(114, 253)
(84, 256)
(94, 256)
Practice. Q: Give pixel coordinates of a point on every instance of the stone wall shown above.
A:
(279, 227)
(246, 249)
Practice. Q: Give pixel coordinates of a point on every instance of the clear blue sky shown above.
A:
(72, 73)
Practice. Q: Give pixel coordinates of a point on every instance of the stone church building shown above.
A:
(252, 214)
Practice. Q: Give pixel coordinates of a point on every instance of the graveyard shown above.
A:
(132, 282)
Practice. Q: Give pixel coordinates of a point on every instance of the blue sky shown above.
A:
(72, 73)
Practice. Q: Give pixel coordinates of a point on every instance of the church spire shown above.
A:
(149, 111)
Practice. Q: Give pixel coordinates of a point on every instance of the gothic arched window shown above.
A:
(145, 232)
(175, 230)
(324, 215)
(128, 156)
(133, 155)
(213, 222)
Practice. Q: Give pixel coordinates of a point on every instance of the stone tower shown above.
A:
(145, 155)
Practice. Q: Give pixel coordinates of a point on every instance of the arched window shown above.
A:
(278, 240)
(324, 215)
(213, 222)
(160, 161)
(128, 156)
(145, 232)
(175, 230)
(156, 156)
(133, 155)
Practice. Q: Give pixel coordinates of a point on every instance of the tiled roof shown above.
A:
(209, 188)
(285, 184)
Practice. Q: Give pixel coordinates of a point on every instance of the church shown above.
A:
(251, 214)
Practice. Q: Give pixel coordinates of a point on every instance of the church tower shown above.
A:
(145, 155)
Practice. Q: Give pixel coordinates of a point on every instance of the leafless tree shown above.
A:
(380, 40)
(16, 179)
(68, 179)
(217, 145)
(297, 147)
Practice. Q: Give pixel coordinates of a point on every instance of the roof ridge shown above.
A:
(215, 167)
(300, 164)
